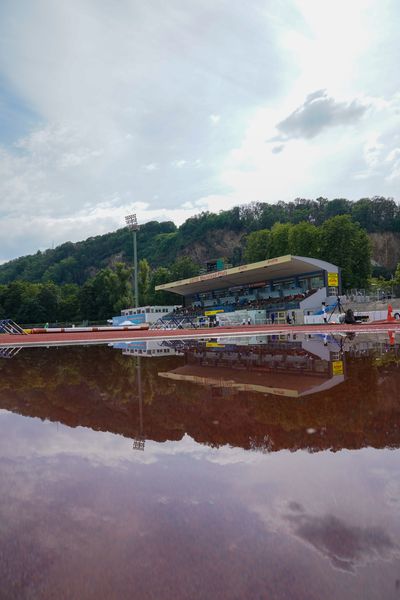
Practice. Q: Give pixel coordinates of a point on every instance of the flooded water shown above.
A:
(249, 468)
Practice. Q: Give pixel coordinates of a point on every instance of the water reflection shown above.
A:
(239, 392)
(345, 545)
(270, 469)
(283, 367)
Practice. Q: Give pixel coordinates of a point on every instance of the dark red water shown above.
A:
(202, 471)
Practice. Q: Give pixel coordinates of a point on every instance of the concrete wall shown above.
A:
(314, 301)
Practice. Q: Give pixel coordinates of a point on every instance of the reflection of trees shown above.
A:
(96, 387)
(387, 359)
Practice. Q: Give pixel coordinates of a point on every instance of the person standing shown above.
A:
(272, 318)
(324, 312)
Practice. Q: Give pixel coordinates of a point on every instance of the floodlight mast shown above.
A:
(132, 225)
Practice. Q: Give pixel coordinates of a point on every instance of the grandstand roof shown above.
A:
(292, 385)
(273, 268)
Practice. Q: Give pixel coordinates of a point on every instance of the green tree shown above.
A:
(17, 295)
(338, 206)
(87, 301)
(257, 246)
(183, 268)
(396, 279)
(362, 212)
(379, 283)
(361, 266)
(160, 298)
(344, 243)
(144, 282)
(106, 293)
(304, 239)
(48, 299)
(123, 296)
(279, 239)
(69, 307)
(3, 289)
(65, 271)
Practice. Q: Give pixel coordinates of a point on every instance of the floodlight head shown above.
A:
(131, 222)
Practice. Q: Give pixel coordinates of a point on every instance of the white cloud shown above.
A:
(151, 167)
(393, 159)
(373, 150)
(179, 163)
(121, 101)
(118, 93)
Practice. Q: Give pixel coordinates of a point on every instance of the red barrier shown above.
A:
(390, 316)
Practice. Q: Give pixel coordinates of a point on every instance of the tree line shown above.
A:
(97, 300)
(164, 243)
(339, 241)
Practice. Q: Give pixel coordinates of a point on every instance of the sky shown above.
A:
(167, 109)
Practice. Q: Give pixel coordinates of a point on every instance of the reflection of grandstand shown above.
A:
(145, 348)
(367, 344)
(285, 368)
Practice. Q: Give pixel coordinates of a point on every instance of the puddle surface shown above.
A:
(249, 468)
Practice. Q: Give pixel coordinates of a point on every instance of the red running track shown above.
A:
(98, 337)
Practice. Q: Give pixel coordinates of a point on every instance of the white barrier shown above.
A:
(373, 315)
(87, 329)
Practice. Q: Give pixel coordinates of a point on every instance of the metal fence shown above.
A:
(66, 324)
(364, 296)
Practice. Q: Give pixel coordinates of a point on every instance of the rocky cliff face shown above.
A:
(217, 243)
(223, 242)
(386, 249)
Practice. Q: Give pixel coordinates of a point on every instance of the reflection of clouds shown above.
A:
(389, 482)
(295, 506)
(392, 493)
(32, 438)
(87, 505)
(28, 438)
(346, 546)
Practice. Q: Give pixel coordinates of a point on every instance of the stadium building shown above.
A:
(265, 291)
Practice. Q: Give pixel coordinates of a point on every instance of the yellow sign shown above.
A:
(337, 367)
(333, 279)
(214, 345)
(208, 313)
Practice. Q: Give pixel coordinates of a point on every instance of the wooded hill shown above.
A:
(92, 280)
(204, 236)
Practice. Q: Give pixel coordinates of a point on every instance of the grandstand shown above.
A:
(270, 290)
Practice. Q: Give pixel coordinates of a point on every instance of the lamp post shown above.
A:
(132, 225)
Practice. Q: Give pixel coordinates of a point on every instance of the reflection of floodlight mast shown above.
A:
(139, 440)
(132, 224)
(138, 443)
